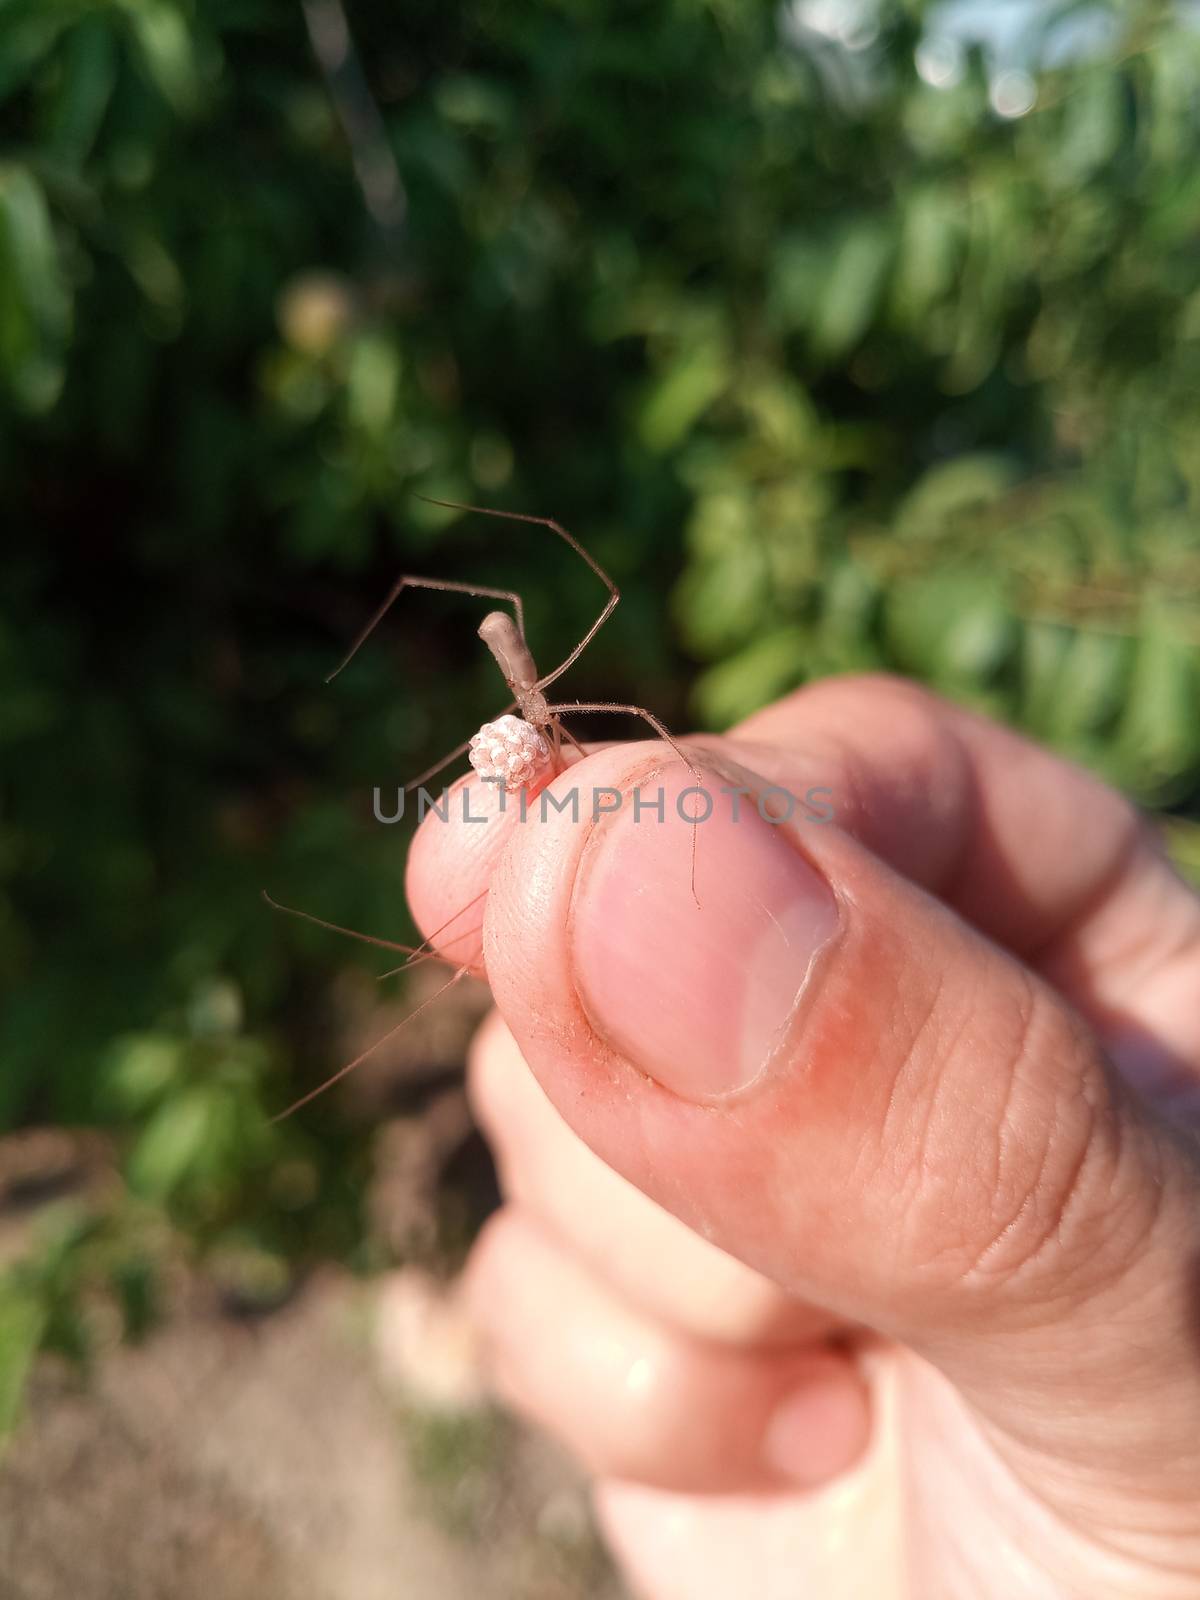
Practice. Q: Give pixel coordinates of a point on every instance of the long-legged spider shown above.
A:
(511, 751)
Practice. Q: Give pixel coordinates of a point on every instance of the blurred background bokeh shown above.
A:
(845, 335)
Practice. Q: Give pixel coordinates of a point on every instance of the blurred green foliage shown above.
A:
(860, 371)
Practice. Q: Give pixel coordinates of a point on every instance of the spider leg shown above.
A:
(661, 731)
(631, 711)
(564, 732)
(443, 584)
(459, 750)
(415, 953)
(371, 1049)
(614, 594)
(412, 951)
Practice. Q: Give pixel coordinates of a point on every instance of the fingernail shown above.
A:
(818, 1431)
(696, 990)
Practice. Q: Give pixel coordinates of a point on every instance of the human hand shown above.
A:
(851, 1238)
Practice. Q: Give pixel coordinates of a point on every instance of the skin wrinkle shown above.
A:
(1026, 1014)
(1100, 1141)
(947, 1050)
(1076, 1190)
(913, 1173)
(1044, 1311)
(898, 1076)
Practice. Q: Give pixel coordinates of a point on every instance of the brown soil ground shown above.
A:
(262, 1460)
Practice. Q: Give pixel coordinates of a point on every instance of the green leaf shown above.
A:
(164, 42)
(1094, 126)
(474, 102)
(798, 270)
(856, 274)
(952, 489)
(141, 1069)
(173, 1142)
(952, 628)
(850, 604)
(1073, 680)
(373, 384)
(22, 1320)
(29, 30)
(1045, 648)
(979, 641)
(722, 596)
(89, 75)
(755, 676)
(930, 250)
(34, 301)
(1183, 843)
(682, 393)
(1159, 735)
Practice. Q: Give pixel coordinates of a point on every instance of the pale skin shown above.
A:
(911, 1309)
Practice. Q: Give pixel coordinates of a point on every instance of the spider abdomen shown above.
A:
(510, 751)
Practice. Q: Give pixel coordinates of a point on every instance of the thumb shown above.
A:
(828, 1073)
